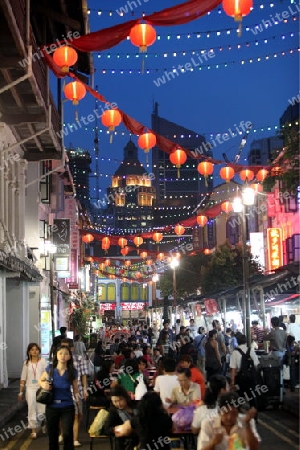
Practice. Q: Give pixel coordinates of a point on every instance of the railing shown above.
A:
(39, 67)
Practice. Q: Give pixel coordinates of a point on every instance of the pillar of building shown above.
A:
(3, 334)
(17, 322)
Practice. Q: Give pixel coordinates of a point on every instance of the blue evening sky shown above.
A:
(210, 100)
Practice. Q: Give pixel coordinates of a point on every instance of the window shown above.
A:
(125, 292)
(120, 200)
(134, 292)
(144, 293)
(102, 292)
(45, 183)
(111, 292)
(232, 229)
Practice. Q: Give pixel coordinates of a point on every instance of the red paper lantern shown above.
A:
(237, 8)
(111, 118)
(75, 91)
(88, 238)
(122, 242)
(246, 175)
(138, 241)
(64, 57)
(157, 237)
(160, 256)
(124, 251)
(179, 230)
(202, 220)
(226, 207)
(226, 173)
(105, 243)
(142, 35)
(143, 255)
(149, 262)
(262, 175)
(138, 274)
(205, 168)
(147, 141)
(178, 157)
(127, 262)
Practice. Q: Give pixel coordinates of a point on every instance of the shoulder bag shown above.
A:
(43, 396)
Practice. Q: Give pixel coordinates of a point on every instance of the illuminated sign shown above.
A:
(275, 255)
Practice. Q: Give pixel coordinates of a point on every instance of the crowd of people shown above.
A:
(184, 366)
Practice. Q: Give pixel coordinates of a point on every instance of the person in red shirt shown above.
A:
(197, 376)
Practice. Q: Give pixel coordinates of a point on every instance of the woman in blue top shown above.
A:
(62, 409)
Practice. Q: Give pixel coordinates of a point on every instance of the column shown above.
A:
(3, 336)
(2, 234)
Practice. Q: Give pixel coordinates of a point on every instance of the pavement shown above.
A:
(9, 405)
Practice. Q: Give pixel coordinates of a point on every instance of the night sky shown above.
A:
(208, 101)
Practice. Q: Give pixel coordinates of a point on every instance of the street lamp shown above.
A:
(173, 264)
(239, 206)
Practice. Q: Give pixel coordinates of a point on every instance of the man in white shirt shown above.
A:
(187, 392)
(165, 383)
(293, 328)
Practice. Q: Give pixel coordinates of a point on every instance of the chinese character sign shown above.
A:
(275, 254)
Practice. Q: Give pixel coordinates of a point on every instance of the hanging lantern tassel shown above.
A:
(111, 132)
(240, 28)
(178, 170)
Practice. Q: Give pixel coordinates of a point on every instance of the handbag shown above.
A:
(43, 396)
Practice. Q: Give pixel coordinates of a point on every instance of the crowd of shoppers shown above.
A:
(193, 368)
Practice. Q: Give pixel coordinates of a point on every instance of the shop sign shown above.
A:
(275, 254)
(211, 306)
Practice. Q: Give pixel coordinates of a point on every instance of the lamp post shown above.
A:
(239, 206)
(173, 264)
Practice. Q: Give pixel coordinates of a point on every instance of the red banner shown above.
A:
(211, 306)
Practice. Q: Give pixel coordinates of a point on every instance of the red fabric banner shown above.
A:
(175, 15)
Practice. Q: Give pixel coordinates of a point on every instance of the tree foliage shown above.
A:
(225, 269)
(188, 276)
(287, 172)
(80, 317)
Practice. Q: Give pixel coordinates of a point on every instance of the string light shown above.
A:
(156, 70)
(193, 52)
(120, 12)
(209, 134)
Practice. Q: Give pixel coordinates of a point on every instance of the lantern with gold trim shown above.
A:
(105, 244)
(88, 238)
(226, 173)
(146, 141)
(178, 157)
(64, 57)
(237, 9)
(111, 118)
(179, 230)
(202, 220)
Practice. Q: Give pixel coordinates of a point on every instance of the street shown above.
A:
(278, 430)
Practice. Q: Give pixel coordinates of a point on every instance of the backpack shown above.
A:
(247, 373)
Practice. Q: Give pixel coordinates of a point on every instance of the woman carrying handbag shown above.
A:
(32, 369)
(62, 409)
